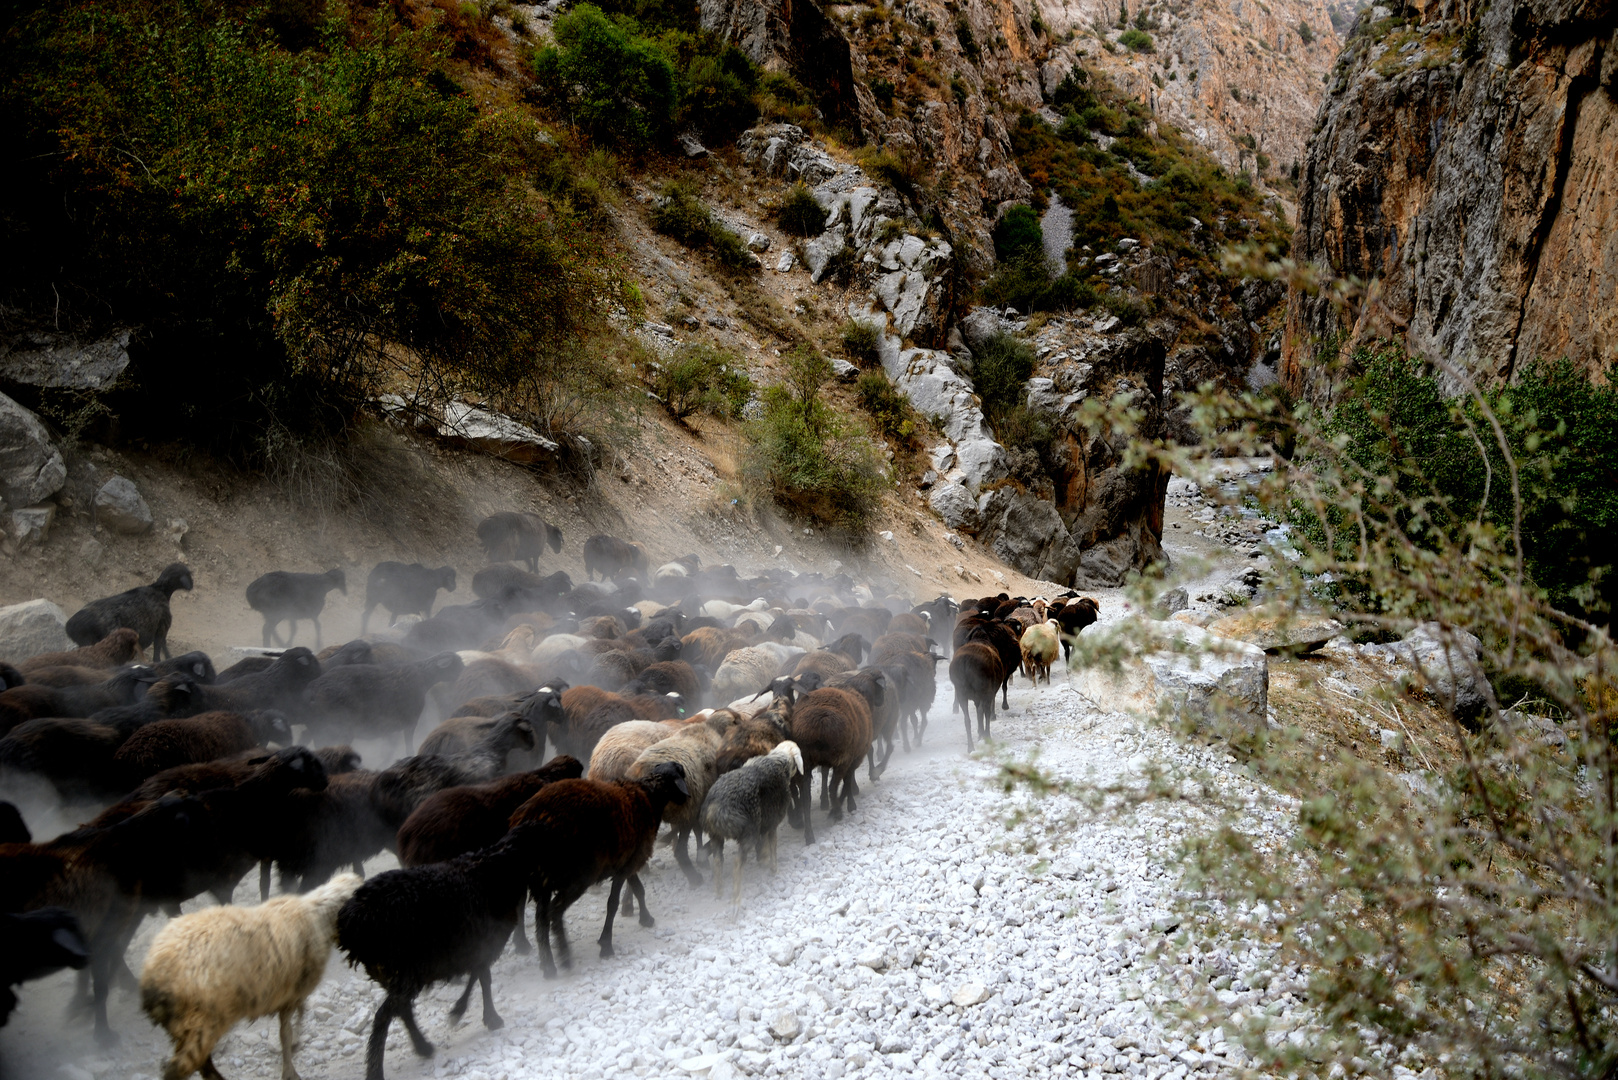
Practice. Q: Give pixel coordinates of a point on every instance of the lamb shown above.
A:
(404, 589)
(281, 594)
(412, 927)
(1040, 646)
(368, 700)
(695, 748)
(208, 970)
(143, 609)
(116, 649)
(747, 805)
(164, 744)
(833, 731)
(611, 557)
(519, 537)
(35, 944)
(587, 831)
(976, 672)
(32, 701)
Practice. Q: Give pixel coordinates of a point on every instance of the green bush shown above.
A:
(801, 213)
(717, 92)
(1001, 368)
(882, 90)
(310, 215)
(1305, 33)
(806, 458)
(701, 377)
(1018, 233)
(680, 214)
(1137, 41)
(1562, 430)
(618, 86)
(861, 340)
(894, 415)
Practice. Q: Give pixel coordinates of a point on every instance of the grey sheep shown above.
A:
(144, 609)
(369, 700)
(747, 805)
(283, 595)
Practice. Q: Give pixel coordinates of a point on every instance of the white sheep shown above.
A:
(555, 646)
(622, 744)
(747, 671)
(1041, 645)
(208, 970)
(671, 571)
(723, 609)
(649, 609)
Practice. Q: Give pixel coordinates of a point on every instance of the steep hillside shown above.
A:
(1467, 157)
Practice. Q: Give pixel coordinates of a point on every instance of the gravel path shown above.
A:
(1057, 226)
(922, 936)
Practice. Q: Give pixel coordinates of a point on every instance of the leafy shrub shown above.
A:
(618, 86)
(882, 90)
(806, 458)
(702, 377)
(903, 170)
(801, 213)
(1137, 41)
(254, 224)
(841, 265)
(1018, 233)
(781, 97)
(1001, 368)
(894, 415)
(1305, 33)
(680, 214)
(861, 340)
(716, 93)
(963, 35)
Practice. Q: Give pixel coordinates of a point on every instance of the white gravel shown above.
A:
(922, 936)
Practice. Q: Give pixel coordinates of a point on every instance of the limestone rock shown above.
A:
(844, 370)
(786, 1026)
(1198, 675)
(691, 145)
(52, 360)
(31, 628)
(817, 253)
(31, 470)
(969, 994)
(1028, 534)
(1493, 245)
(1277, 629)
(758, 242)
(798, 36)
(1446, 661)
(786, 151)
(955, 505)
(494, 434)
(32, 524)
(119, 507)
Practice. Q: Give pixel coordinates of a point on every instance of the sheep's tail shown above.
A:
(158, 1004)
(330, 897)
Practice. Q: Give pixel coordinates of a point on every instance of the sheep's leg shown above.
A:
(825, 787)
(379, 1038)
(269, 631)
(626, 905)
(736, 896)
(316, 621)
(264, 880)
(807, 791)
(101, 979)
(612, 909)
(774, 842)
(288, 1040)
(682, 855)
(559, 903)
(209, 1070)
(640, 894)
(419, 1041)
(851, 788)
(520, 944)
(458, 1010)
(968, 719)
(542, 931)
(491, 1019)
(716, 864)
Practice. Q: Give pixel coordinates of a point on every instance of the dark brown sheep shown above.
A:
(977, 672)
(833, 731)
(116, 649)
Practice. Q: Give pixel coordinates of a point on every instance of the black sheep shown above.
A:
(192, 740)
(34, 945)
(977, 671)
(521, 590)
(10, 676)
(404, 589)
(281, 594)
(196, 665)
(32, 701)
(421, 925)
(369, 700)
(610, 557)
(1074, 616)
(280, 686)
(514, 537)
(144, 609)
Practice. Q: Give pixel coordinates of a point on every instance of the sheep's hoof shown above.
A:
(493, 1022)
(646, 916)
(606, 950)
(549, 970)
(107, 1038)
(522, 946)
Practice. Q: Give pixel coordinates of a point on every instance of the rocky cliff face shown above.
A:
(1467, 158)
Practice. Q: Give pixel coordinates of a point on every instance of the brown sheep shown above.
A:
(116, 649)
(589, 712)
(707, 646)
(976, 671)
(907, 623)
(833, 730)
(750, 737)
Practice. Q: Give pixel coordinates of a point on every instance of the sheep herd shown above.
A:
(573, 721)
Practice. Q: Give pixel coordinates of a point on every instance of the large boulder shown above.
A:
(494, 433)
(31, 469)
(1277, 628)
(31, 628)
(63, 361)
(1445, 661)
(119, 507)
(1196, 675)
(1027, 533)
